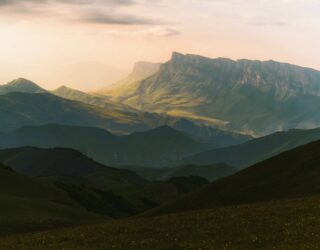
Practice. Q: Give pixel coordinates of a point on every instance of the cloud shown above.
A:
(79, 2)
(269, 23)
(90, 11)
(158, 31)
(108, 17)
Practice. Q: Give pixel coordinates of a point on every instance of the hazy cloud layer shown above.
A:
(90, 11)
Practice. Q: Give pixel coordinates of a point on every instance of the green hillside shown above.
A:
(256, 150)
(28, 204)
(292, 174)
(209, 172)
(281, 225)
(157, 147)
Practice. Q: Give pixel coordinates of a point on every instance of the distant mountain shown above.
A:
(210, 173)
(78, 108)
(24, 109)
(154, 148)
(100, 101)
(292, 174)
(141, 70)
(256, 150)
(21, 85)
(258, 97)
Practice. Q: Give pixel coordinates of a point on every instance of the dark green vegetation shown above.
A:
(209, 172)
(108, 191)
(29, 204)
(281, 225)
(158, 147)
(249, 96)
(292, 174)
(256, 150)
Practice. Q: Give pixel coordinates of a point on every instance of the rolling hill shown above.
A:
(22, 109)
(256, 150)
(258, 97)
(154, 148)
(28, 204)
(292, 174)
(103, 190)
(210, 172)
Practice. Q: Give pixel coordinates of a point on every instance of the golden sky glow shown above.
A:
(89, 44)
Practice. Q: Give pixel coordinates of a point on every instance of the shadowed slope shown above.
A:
(291, 174)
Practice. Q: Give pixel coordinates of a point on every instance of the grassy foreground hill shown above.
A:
(281, 225)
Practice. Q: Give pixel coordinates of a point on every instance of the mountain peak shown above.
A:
(63, 89)
(21, 85)
(144, 69)
(176, 55)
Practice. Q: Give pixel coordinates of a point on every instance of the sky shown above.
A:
(88, 44)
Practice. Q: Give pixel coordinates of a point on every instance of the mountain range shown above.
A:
(256, 97)
(153, 148)
(256, 150)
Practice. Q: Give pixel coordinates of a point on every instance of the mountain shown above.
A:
(113, 192)
(21, 85)
(256, 150)
(24, 109)
(141, 70)
(210, 173)
(292, 174)
(37, 162)
(257, 97)
(154, 148)
(30, 204)
(100, 101)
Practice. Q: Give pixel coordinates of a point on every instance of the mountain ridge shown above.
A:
(225, 90)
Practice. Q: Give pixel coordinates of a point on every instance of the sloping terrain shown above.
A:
(258, 97)
(256, 150)
(21, 85)
(292, 174)
(28, 204)
(157, 147)
(210, 172)
(108, 191)
(281, 225)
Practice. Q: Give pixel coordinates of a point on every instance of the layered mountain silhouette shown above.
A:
(256, 150)
(209, 172)
(154, 148)
(31, 204)
(73, 107)
(258, 97)
(292, 174)
(97, 188)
